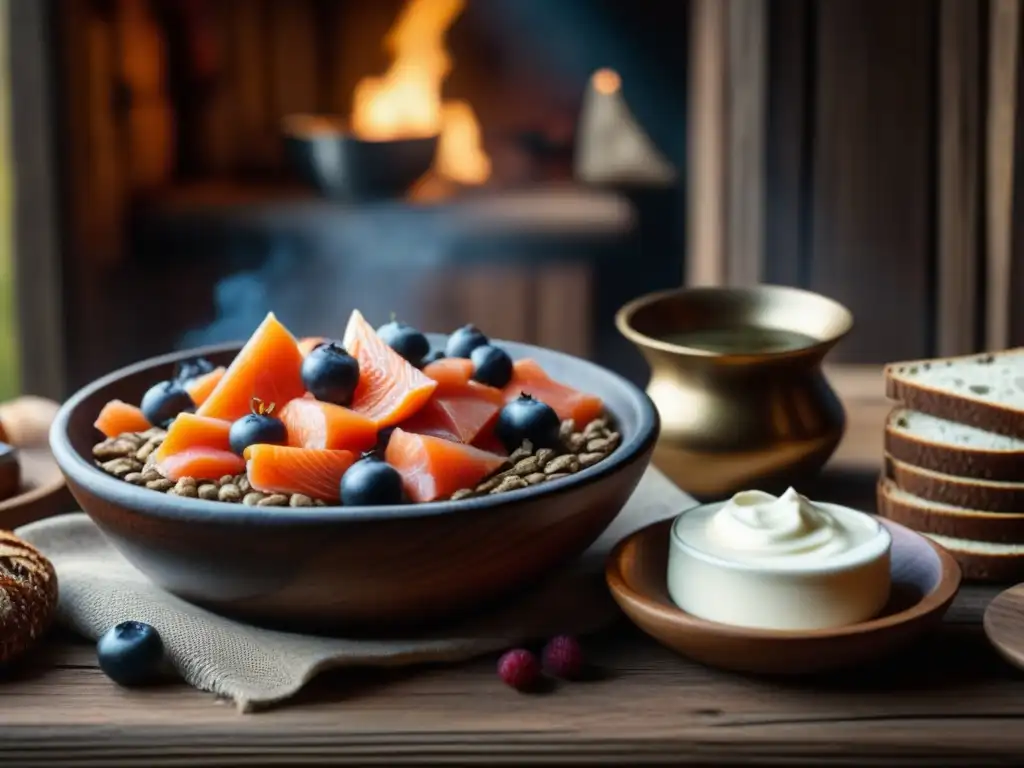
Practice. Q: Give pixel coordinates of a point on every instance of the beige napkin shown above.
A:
(257, 667)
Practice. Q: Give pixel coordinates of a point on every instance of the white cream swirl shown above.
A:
(755, 525)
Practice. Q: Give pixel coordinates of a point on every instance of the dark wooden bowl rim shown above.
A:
(943, 592)
(83, 472)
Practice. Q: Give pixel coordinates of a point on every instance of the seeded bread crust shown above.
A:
(968, 523)
(966, 492)
(961, 407)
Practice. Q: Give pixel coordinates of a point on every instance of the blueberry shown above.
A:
(130, 653)
(256, 428)
(163, 401)
(405, 340)
(432, 357)
(527, 419)
(331, 374)
(491, 366)
(464, 340)
(193, 369)
(371, 482)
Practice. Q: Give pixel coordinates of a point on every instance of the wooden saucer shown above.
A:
(43, 490)
(1004, 624)
(925, 579)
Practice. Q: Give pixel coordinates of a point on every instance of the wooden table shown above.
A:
(948, 701)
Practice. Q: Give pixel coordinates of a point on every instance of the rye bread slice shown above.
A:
(932, 517)
(966, 492)
(981, 390)
(944, 446)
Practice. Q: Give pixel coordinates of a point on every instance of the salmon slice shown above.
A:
(390, 389)
(191, 431)
(434, 468)
(200, 463)
(268, 367)
(449, 371)
(568, 403)
(313, 424)
(307, 344)
(285, 469)
(200, 387)
(457, 412)
(118, 417)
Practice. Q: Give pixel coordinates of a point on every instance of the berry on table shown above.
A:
(491, 366)
(405, 340)
(130, 653)
(563, 657)
(527, 419)
(432, 357)
(464, 340)
(371, 482)
(257, 427)
(330, 374)
(193, 369)
(519, 669)
(165, 400)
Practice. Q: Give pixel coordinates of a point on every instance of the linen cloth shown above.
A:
(257, 667)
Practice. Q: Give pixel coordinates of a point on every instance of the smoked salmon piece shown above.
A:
(191, 431)
(313, 424)
(390, 389)
(457, 411)
(451, 370)
(200, 387)
(200, 463)
(268, 367)
(307, 344)
(285, 469)
(118, 417)
(433, 468)
(568, 403)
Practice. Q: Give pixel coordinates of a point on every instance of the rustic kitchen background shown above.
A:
(861, 148)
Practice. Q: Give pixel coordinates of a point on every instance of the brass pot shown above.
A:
(735, 419)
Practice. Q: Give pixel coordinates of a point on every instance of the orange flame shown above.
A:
(405, 102)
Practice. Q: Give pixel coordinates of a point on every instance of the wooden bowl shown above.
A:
(42, 493)
(925, 579)
(345, 168)
(325, 566)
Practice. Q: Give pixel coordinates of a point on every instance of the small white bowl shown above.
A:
(849, 588)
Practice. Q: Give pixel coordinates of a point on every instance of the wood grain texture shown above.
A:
(1004, 624)
(960, 176)
(871, 241)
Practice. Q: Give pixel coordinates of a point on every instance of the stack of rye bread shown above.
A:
(954, 463)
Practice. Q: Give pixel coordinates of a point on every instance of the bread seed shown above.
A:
(119, 468)
(576, 442)
(208, 491)
(163, 485)
(229, 492)
(563, 463)
(147, 449)
(273, 500)
(590, 459)
(526, 466)
(510, 483)
(543, 456)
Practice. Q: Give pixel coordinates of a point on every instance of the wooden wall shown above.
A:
(887, 168)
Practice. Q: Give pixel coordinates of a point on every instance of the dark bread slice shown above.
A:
(999, 561)
(982, 390)
(965, 492)
(939, 445)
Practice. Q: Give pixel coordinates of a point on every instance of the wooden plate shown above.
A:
(1004, 624)
(925, 579)
(43, 490)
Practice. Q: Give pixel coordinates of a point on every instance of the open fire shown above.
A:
(406, 102)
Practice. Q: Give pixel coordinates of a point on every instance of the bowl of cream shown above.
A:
(780, 563)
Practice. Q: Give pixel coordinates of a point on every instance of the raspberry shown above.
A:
(563, 657)
(519, 669)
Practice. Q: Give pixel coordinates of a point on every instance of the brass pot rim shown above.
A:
(624, 321)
